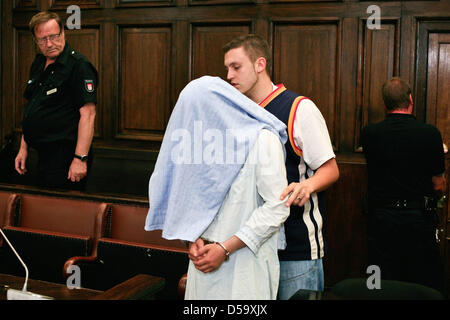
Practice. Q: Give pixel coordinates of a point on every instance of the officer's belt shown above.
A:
(427, 203)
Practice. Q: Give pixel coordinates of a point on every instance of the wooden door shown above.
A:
(438, 114)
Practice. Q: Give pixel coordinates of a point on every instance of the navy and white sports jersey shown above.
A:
(309, 147)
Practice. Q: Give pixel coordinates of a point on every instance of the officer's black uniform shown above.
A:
(403, 155)
(51, 117)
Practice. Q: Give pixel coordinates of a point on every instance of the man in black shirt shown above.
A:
(405, 161)
(59, 118)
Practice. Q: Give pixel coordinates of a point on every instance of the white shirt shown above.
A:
(253, 211)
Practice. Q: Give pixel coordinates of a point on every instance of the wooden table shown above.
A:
(141, 286)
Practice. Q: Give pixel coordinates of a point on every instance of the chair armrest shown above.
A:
(144, 245)
(75, 261)
(182, 286)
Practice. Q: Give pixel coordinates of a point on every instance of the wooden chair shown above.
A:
(8, 203)
(128, 250)
(52, 230)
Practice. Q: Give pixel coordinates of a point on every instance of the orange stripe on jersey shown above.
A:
(292, 114)
(280, 88)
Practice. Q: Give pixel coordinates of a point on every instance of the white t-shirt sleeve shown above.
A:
(311, 135)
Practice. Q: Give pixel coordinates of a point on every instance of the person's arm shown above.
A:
(207, 258)
(78, 168)
(325, 176)
(311, 136)
(21, 158)
(264, 220)
(439, 185)
(437, 163)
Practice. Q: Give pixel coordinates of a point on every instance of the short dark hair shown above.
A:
(254, 46)
(43, 17)
(396, 94)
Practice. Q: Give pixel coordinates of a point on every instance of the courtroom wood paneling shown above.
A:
(213, 37)
(2, 142)
(83, 4)
(438, 114)
(378, 62)
(438, 83)
(143, 3)
(345, 225)
(130, 169)
(25, 52)
(306, 59)
(28, 4)
(426, 29)
(86, 41)
(219, 2)
(291, 1)
(144, 81)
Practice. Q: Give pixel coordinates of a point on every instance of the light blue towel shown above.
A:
(209, 135)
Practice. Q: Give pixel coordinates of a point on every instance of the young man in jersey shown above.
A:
(311, 166)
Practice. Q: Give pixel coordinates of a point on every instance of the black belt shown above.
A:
(427, 203)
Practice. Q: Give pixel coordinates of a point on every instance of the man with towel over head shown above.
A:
(217, 184)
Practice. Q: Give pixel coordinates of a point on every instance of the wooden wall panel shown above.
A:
(213, 37)
(219, 2)
(431, 48)
(32, 4)
(306, 60)
(2, 138)
(438, 84)
(25, 52)
(345, 225)
(380, 64)
(438, 114)
(83, 4)
(291, 1)
(86, 41)
(144, 81)
(143, 3)
(378, 50)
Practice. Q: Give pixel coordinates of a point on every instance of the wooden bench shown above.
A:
(51, 230)
(128, 250)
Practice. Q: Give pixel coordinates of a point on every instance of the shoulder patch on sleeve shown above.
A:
(89, 85)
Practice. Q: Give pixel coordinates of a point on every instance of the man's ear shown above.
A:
(260, 64)
(411, 102)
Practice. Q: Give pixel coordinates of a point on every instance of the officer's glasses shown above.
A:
(52, 38)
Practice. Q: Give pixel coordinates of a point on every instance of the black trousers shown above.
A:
(54, 163)
(402, 242)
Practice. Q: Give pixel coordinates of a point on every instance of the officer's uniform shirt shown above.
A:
(55, 96)
(402, 155)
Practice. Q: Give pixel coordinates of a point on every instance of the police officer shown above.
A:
(59, 118)
(405, 161)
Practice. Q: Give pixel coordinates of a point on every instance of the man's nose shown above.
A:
(230, 74)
